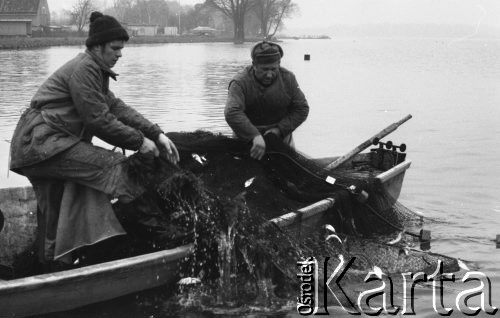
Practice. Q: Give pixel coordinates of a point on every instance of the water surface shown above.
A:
(355, 88)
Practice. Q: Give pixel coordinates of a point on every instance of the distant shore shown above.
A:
(18, 43)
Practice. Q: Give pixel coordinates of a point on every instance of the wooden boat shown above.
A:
(65, 290)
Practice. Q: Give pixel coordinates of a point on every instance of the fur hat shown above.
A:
(104, 29)
(266, 53)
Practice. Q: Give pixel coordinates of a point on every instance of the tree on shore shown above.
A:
(271, 13)
(80, 13)
(149, 12)
(236, 10)
(175, 10)
(197, 16)
(152, 12)
(120, 9)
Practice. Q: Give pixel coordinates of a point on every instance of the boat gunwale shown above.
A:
(394, 171)
(303, 213)
(124, 265)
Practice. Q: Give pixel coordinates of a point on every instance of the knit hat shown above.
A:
(266, 53)
(104, 29)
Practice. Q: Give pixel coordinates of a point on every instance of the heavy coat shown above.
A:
(252, 108)
(74, 104)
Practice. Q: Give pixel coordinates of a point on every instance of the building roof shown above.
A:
(19, 6)
(15, 20)
(141, 25)
(204, 28)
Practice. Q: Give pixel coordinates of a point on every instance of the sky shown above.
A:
(324, 13)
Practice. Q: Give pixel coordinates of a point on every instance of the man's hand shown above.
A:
(172, 153)
(258, 147)
(148, 146)
(274, 130)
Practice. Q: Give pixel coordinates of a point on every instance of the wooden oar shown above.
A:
(367, 143)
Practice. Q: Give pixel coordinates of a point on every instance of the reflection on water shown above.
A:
(355, 88)
(184, 86)
(17, 67)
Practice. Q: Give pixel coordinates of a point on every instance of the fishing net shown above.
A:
(217, 176)
(224, 166)
(283, 181)
(220, 200)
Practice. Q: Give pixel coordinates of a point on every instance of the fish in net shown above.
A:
(220, 200)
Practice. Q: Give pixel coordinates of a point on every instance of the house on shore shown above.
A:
(170, 31)
(142, 29)
(20, 17)
(205, 31)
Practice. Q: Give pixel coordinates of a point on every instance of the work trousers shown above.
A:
(85, 164)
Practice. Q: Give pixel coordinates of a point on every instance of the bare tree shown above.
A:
(120, 8)
(197, 16)
(81, 12)
(152, 11)
(236, 11)
(271, 13)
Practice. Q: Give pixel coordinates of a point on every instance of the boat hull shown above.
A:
(74, 288)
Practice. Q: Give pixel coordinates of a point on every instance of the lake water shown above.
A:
(355, 87)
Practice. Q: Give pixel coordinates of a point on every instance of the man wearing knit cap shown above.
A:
(265, 98)
(52, 146)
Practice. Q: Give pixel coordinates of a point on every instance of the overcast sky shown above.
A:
(323, 13)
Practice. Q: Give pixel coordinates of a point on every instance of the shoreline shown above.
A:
(20, 43)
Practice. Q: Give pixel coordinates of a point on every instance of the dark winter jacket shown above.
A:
(252, 107)
(72, 105)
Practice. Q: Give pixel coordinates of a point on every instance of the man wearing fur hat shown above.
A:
(52, 146)
(265, 98)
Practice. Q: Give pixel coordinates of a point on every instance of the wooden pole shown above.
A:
(304, 213)
(367, 143)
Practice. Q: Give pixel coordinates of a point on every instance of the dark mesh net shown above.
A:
(296, 179)
(220, 200)
(217, 169)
